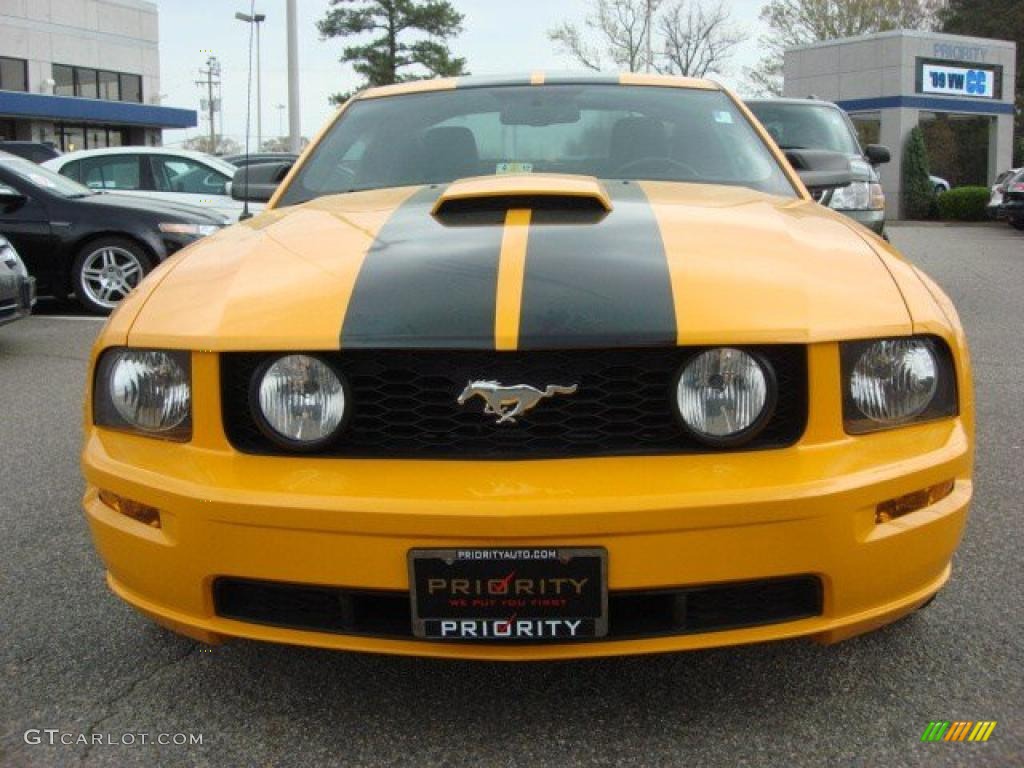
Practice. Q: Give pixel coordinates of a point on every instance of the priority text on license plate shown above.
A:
(501, 594)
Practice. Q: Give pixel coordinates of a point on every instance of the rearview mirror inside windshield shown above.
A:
(538, 111)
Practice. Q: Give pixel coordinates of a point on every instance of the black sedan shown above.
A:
(17, 289)
(90, 244)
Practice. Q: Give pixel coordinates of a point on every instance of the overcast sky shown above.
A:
(498, 36)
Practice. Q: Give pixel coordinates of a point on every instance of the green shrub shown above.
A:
(964, 204)
(918, 192)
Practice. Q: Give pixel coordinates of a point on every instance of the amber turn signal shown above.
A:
(136, 511)
(903, 505)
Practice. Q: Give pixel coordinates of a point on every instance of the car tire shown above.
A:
(1017, 223)
(106, 270)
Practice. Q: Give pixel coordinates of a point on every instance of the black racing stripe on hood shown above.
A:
(425, 283)
(598, 283)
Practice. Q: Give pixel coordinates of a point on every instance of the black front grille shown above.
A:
(403, 404)
(680, 611)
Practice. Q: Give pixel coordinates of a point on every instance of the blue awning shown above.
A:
(40, 105)
(929, 104)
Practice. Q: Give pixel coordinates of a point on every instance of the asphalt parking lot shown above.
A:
(76, 659)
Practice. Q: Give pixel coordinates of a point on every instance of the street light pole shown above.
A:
(257, 19)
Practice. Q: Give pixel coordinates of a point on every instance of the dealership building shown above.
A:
(83, 74)
(959, 89)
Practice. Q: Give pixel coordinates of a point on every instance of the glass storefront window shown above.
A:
(97, 137)
(72, 137)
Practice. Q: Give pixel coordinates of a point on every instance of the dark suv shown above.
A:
(36, 151)
(814, 124)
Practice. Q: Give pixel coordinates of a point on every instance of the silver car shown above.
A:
(995, 204)
(17, 288)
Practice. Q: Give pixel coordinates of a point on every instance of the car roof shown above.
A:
(808, 102)
(538, 78)
(79, 154)
(137, 150)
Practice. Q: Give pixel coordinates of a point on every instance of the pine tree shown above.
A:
(918, 192)
(410, 42)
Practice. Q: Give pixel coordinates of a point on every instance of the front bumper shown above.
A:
(873, 220)
(17, 298)
(1013, 210)
(666, 521)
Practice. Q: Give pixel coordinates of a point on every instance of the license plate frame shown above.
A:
(512, 594)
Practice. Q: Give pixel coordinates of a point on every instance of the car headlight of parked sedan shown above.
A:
(9, 256)
(194, 230)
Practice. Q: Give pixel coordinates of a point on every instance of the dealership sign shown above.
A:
(958, 81)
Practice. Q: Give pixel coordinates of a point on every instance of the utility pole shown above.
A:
(211, 78)
(294, 122)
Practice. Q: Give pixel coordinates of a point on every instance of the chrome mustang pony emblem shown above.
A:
(508, 402)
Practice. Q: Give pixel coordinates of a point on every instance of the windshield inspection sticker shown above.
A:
(723, 117)
(502, 168)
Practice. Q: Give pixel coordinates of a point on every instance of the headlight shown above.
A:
(299, 400)
(856, 197)
(10, 257)
(195, 230)
(724, 396)
(877, 197)
(890, 382)
(145, 390)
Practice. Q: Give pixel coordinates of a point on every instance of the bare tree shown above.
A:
(697, 40)
(624, 28)
(799, 22)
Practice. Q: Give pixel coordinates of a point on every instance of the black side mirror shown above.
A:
(821, 170)
(258, 182)
(11, 199)
(877, 154)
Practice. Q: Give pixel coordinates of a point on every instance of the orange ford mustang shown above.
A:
(529, 369)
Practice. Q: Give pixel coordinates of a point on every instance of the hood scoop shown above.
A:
(496, 195)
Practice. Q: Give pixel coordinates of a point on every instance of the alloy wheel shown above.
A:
(109, 274)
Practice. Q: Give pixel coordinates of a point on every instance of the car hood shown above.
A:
(174, 211)
(448, 267)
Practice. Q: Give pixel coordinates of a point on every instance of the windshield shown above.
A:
(44, 178)
(612, 132)
(807, 126)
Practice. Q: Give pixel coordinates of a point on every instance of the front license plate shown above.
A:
(495, 594)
